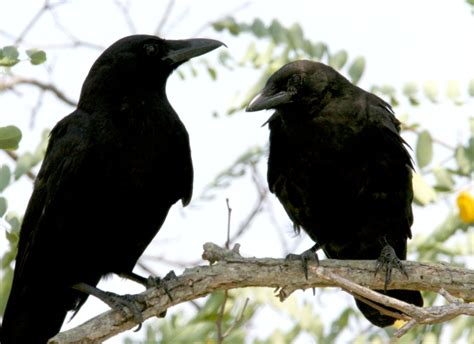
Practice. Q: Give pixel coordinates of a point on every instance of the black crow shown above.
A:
(340, 169)
(112, 170)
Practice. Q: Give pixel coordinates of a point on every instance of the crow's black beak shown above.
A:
(182, 50)
(263, 101)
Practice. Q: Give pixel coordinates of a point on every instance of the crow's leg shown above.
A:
(306, 257)
(115, 301)
(388, 259)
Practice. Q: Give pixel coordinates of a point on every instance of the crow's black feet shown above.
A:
(152, 282)
(388, 259)
(121, 303)
(305, 257)
(157, 282)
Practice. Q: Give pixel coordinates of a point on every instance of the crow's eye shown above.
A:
(295, 82)
(151, 49)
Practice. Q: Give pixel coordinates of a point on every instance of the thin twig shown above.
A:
(178, 19)
(36, 108)
(32, 22)
(229, 214)
(238, 320)
(76, 42)
(257, 208)
(220, 315)
(450, 298)
(435, 140)
(15, 81)
(379, 308)
(164, 18)
(125, 9)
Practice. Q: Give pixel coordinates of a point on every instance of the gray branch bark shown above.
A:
(229, 270)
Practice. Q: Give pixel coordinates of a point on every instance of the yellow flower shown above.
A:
(399, 324)
(466, 207)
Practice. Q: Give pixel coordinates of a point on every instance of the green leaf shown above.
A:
(453, 92)
(5, 286)
(430, 89)
(338, 60)
(296, 36)
(23, 165)
(40, 150)
(471, 88)
(36, 56)
(5, 177)
(277, 32)
(423, 193)
(210, 308)
(319, 49)
(193, 70)
(424, 149)
(264, 58)
(9, 56)
(250, 54)
(258, 28)
(444, 179)
(228, 23)
(224, 57)
(357, 69)
(462, 160)
(388, 91)
(14, 222)
(3, 206)
(410, 90)
(429, 338)
(10, 137)
(212, 73)
(458, 328)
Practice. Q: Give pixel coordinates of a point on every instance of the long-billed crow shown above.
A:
(340, 169)
(112, 170)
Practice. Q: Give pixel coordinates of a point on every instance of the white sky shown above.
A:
(401, 40)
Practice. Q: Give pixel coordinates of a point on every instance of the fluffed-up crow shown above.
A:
(112, 170)
(340, 168)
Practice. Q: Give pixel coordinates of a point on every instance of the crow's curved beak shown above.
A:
(183, 50)
(264, 101)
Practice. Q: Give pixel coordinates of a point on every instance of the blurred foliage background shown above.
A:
(444, 177)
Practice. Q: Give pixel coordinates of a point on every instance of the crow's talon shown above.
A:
(122, 302)
(305, 257)
(388, 259)
(157, 282)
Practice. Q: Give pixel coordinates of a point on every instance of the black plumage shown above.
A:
(339, 167)
(112, 170)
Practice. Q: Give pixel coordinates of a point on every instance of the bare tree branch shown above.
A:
(47, 6)
(15, 81)
(234, 271)
(125, 9)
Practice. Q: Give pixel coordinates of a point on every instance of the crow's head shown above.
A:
(143, 61)
(299, 84)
